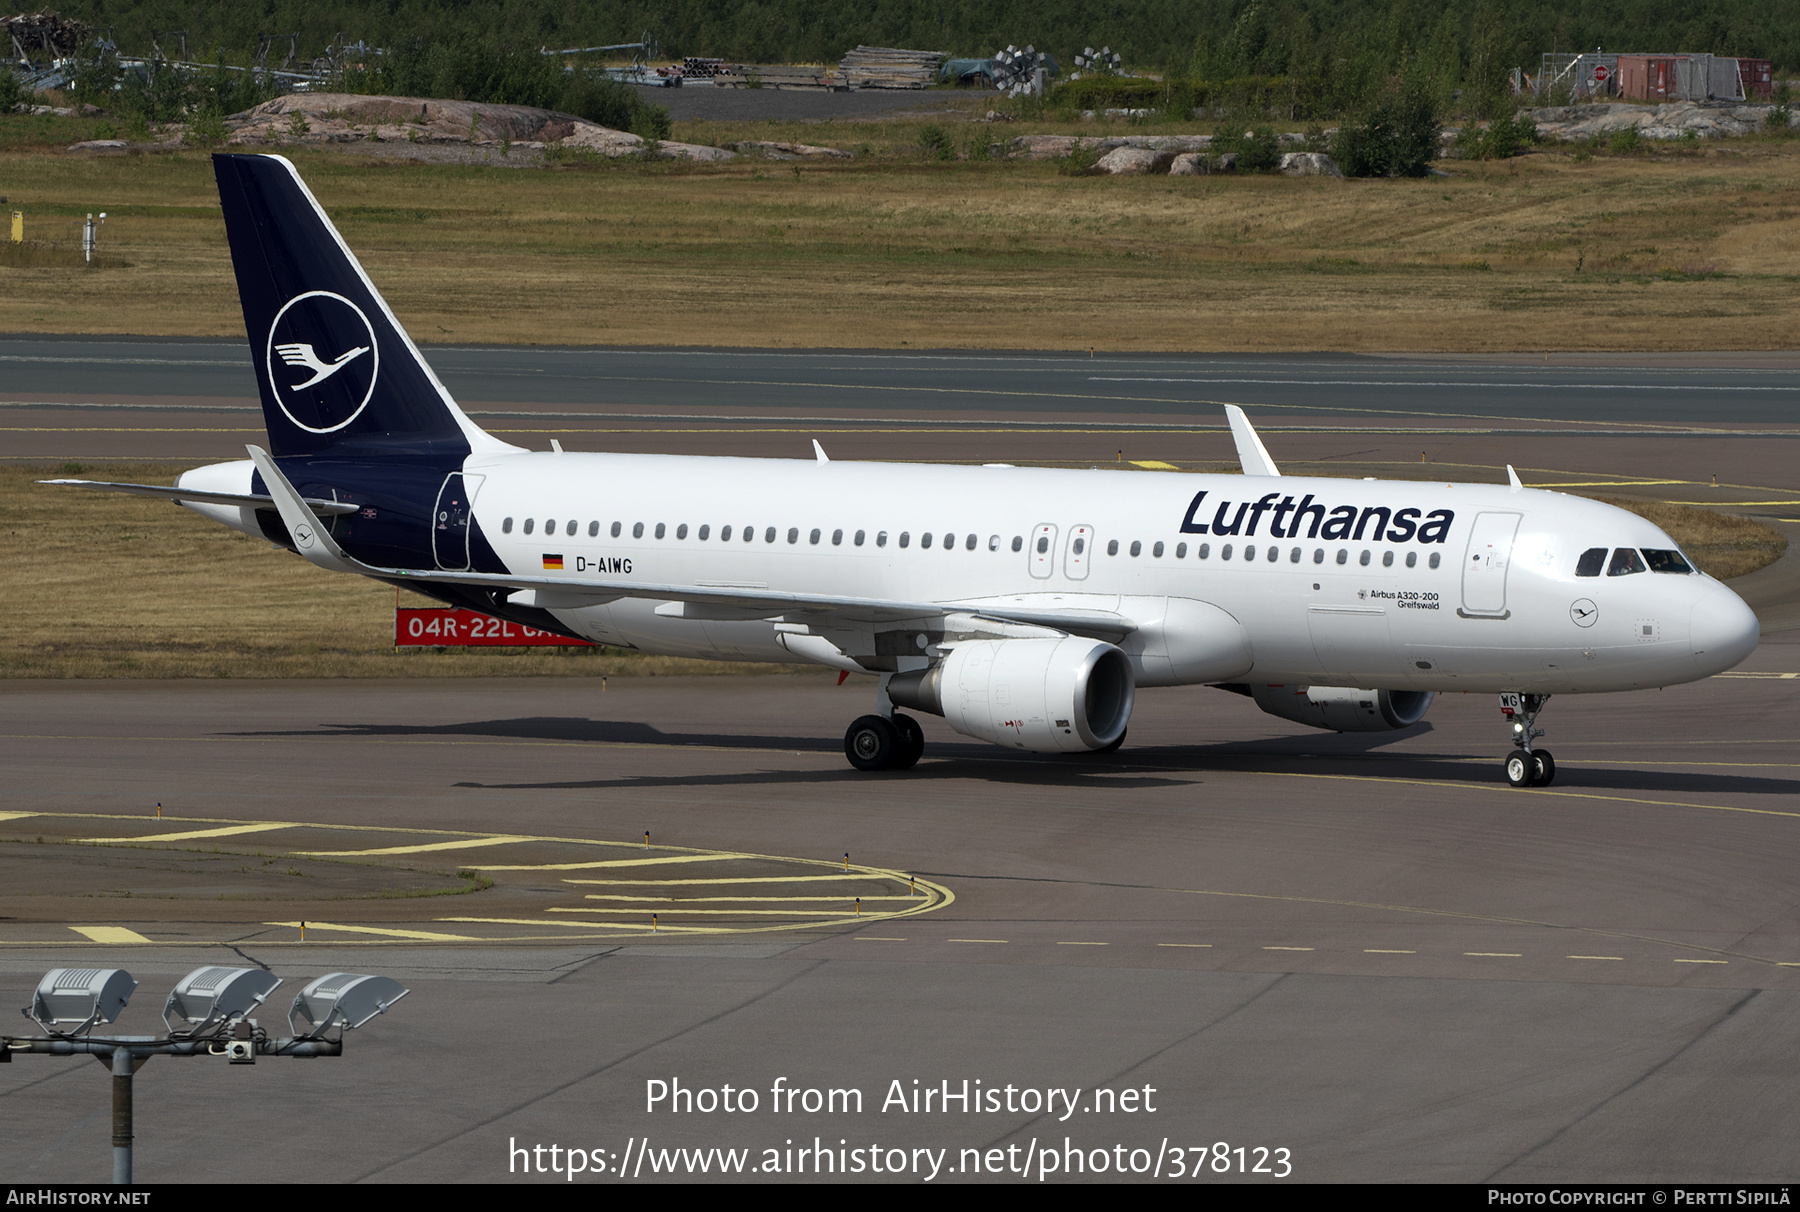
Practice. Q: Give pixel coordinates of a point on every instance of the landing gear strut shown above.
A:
(875, 742)
(1525, 766)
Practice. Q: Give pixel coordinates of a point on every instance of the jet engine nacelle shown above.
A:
(1344, 708)
(1048, 696)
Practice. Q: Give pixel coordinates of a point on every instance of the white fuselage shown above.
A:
(1449, 587)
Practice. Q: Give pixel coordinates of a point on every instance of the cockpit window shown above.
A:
(1667, 561)
(1592, 561)
(1625, 561)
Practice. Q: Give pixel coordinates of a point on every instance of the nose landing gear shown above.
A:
(1526, 766)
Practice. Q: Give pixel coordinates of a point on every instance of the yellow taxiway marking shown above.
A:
(187, 836)
(423, 848)
(1595, 957)
(424, 935)
(839, 912)
(1287, 948)
(742, 879)
(13, 816)
(721, 857)
(1184, 944)
(975, 940)
(742, 900)
(644, 927)
(1701, 961)
(1153, 465)
(1498, 954)
(877, 938)
(110, 934)
(1789, 501)
(1079, 943)
(1386, 951)
(1748, 674)
(1605, 483)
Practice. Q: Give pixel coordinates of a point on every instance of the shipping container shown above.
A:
(1758, 77)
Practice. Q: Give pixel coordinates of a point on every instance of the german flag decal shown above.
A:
(552, 563)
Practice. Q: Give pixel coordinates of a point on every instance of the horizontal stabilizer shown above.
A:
(178, 495)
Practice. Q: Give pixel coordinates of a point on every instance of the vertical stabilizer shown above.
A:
(337, 373)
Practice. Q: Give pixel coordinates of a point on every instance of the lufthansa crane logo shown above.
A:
(322, 360)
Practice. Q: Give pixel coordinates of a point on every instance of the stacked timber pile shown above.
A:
(887, 67)
(48, 34)
(774, 75)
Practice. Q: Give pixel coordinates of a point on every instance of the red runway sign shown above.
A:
(445, 626)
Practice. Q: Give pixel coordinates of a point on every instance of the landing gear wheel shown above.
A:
(871, 743)
(1519, 769)
(912, 743)
(1543, 768)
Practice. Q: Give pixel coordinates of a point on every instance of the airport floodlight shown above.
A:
(211, 996)
(82, 996)
(348, 998)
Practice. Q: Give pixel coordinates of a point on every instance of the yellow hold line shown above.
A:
(424, 847)
(424, 935)
(187, 836)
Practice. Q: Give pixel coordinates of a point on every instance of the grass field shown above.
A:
(1667, 249)
(100, 585)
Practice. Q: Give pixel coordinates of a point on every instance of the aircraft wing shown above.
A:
(572, 592)
(178, 495)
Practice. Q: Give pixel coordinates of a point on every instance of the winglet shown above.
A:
(309, 534)
(1251, 456)
(1512, 478)
(819, 452)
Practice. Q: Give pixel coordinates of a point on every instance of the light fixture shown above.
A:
(348, 998)
(82, 996)
(209, 997)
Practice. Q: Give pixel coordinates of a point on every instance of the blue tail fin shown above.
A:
(337, 373)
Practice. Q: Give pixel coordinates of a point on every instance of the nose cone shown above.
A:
(1724, 631)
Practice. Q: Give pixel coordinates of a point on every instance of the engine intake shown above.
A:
(1342, 708)
(1047, 696)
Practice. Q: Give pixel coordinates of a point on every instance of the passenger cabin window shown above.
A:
(528, 522)
(1225, 552)
(569, 529)
(1667, 561)
(724, 534)
(1137, 548)
(969, 543)
(1181, 551)
(1043, 544)
(1387, 559)
(1625, 561)
(924, 540)
(1436, 558)
(681, 531)
(637, 531)
(1318, 555)
(1412, 558)
(1591, 562)
(1204, 551)
(1112, 547)
(769, 535)
(704, 532)
(661, 530)
(1343, 555)
(905, 538)
(794, 534)
(859, 538)
(813, 538)
(506, 526)
(881, 538)
(1364, 561)
(615, 529)
(593, 530)
(1018, 543)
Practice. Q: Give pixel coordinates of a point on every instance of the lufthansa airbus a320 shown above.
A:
(1026, 606)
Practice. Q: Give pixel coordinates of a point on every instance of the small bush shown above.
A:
(1080, 161)
(1395, 137)
(13, 97)
(935, 143)
(1624, 142)
(1503, 138)
(207, 129)
(1258, 150)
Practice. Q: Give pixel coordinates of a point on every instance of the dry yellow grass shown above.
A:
(1722, 545)
(107, 586)
(1674, 250)
(104, 586)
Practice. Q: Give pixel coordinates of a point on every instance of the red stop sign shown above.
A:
(1600, 72)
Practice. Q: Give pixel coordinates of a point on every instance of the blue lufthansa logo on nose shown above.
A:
(322, 360)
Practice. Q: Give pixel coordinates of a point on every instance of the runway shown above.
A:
(1365, 951)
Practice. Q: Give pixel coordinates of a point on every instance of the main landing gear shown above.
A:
(1525, 766)
(876, 742)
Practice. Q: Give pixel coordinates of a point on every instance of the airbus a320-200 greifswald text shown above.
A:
(1026, 606)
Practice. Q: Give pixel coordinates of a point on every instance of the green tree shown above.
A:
(1397, 136)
